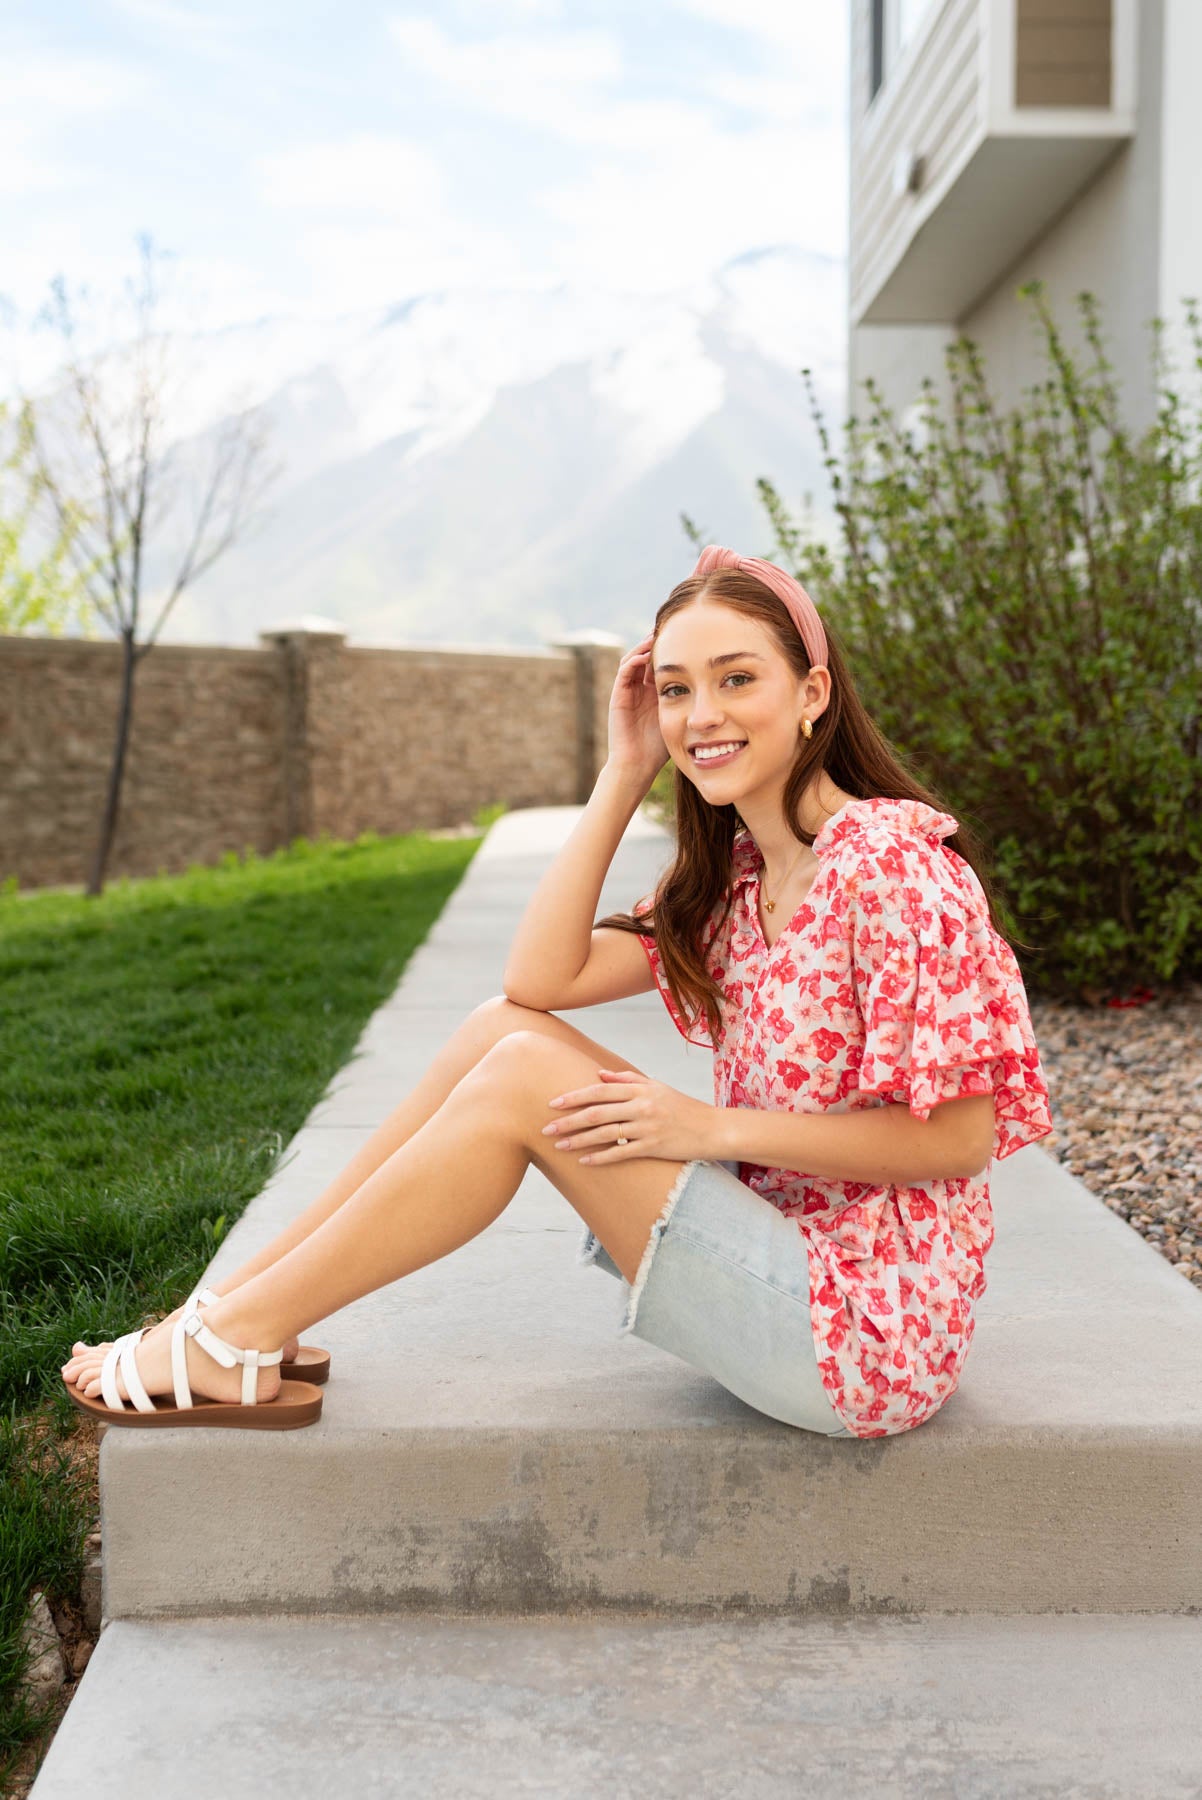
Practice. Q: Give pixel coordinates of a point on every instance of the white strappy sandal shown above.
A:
(297, 1403)
(309, 1364)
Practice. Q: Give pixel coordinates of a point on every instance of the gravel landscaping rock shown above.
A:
(1125, 1080)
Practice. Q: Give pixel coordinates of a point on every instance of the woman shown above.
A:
(815, 1238)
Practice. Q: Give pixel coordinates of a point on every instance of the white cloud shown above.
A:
(703, 201)
(803, 30)
(22, 169)
(522, 9)
(51, 89)
(806, 38)
(567, 83)
(357, 269)
(207, 32)
(383, 223)
(670, 188)
(364, 173)
(45, 94)
(545, 81)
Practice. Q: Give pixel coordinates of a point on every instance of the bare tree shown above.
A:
(109, 462)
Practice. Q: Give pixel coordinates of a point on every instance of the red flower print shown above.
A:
(893, 862)
(884, 1010)
(778, 1025)
(898, 988)
(828, 1293)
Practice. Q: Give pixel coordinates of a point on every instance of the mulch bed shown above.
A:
(1125, 1079)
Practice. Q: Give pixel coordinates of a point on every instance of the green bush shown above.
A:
(1018, 595)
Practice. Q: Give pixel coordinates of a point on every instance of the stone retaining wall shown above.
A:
(232, 748)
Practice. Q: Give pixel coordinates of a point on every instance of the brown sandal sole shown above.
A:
(310, 1364)
(297, 1403)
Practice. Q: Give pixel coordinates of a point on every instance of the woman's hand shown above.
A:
(635, 739)
(655, 1120)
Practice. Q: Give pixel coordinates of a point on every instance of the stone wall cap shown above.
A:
(570, 640)
(439, 648)
(305, 625)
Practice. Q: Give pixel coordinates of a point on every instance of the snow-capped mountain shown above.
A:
(501, 466)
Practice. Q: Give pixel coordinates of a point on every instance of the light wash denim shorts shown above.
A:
(724, 1283)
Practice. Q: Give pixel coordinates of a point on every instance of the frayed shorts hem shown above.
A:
(593, 1250)
(724, 1283)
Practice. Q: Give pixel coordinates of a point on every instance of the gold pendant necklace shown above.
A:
(771, 904)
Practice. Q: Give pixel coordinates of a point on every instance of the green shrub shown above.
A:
(1018, 595)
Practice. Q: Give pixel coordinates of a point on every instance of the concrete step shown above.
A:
(490, 1441)
(968, 1708)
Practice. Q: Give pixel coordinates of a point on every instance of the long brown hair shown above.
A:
(845, 743)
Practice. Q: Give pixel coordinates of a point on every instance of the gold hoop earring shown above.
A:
(807, 730)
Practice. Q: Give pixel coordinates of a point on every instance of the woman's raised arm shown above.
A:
(556, 959)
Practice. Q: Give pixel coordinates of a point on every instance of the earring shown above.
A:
(807, 730)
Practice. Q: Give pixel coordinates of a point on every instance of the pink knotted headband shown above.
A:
(797, 602)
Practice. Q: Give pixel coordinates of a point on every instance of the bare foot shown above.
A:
(90, 1356)
(206, 1376)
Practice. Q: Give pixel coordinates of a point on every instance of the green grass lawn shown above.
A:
(161, 1046)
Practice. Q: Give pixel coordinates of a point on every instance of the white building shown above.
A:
(994, 141)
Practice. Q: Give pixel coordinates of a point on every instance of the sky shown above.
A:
(315, 160)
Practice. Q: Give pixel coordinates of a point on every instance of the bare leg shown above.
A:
(450, 1180)
(483, 1027)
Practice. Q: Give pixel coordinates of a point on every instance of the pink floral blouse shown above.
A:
(889, 984)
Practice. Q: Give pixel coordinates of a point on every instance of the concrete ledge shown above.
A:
(456, 1710)
(489, 1441)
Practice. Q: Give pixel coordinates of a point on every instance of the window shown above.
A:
(877, 47)
(892, 23)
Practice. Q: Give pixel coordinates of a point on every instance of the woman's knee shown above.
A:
(498, 1020)
(521, 1048)
(486, 1025)
(521, 1063)
(499, 1017)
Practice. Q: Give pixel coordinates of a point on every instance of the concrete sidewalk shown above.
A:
(491, 1448)
(488, 1439)
(969, 1708)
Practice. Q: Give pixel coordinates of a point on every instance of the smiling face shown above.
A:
(730, 706)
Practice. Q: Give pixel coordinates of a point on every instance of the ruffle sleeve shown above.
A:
(940, 991)
(701, 1035)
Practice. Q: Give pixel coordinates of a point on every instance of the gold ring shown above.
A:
(623, 1140)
